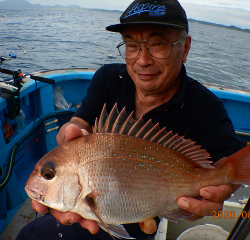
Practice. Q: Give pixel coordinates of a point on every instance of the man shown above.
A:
(153, 84)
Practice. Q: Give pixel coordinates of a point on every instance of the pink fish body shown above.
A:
(128, 171)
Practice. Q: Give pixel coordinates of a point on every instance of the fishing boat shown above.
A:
(32, 113)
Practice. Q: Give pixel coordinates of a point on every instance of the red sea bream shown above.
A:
(127, 171)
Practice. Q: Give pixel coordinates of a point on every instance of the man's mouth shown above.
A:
(144, 76)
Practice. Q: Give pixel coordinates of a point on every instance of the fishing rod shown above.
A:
(3, 59)
(18, 75)
(10, 89)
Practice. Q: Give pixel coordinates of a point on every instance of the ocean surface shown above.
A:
(78, 39)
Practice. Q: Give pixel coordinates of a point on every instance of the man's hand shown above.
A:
(67, 218)
(75, 128)
(213, 201)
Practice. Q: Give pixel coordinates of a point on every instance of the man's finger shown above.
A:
(199, 207)
(149, 226)
(216, 193)
(66, 218)
(38, 207)
(92, 226)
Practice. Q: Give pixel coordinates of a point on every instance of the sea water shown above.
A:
(78, 39)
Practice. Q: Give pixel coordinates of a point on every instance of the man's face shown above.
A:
(154, 76)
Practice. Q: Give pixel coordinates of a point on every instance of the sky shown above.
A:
(122, 4)
(226, 12)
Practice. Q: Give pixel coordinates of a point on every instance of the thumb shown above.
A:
(84, 132)
(72, 131)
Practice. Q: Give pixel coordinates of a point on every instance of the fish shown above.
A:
(127, 171)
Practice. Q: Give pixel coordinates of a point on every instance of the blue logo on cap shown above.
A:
(152, 9)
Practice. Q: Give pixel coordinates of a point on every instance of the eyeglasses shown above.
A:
(157, 48)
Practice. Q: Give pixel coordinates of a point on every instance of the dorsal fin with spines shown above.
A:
(102, 120)
(147, 126)
(151, 132)
(136, 127)
(109, 123)
(128, 123)
(121, 123)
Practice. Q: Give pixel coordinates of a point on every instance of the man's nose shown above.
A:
(144, 57)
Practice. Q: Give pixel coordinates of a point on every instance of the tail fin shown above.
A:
(240, 161)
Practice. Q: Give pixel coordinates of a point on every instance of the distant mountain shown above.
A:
(15, 4)
(23, 4)
(219, 25)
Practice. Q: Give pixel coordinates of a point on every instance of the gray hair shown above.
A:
(182, 35)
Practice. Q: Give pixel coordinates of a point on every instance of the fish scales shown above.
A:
(135, 172)
(129, 179)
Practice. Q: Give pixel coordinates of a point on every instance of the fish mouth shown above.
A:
(33, 194)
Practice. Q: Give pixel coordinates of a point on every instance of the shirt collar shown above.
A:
(178, 99)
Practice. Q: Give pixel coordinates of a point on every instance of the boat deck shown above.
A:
(22, 217)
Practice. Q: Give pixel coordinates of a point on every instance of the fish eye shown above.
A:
(48, 171)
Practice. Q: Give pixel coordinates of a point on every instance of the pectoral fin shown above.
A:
(179, 214)
(113, 230)
(116, 230)
(89, 200)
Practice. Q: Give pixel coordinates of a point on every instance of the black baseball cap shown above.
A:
(161, 12)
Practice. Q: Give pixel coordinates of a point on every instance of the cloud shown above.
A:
(239, 4)
(220, 15)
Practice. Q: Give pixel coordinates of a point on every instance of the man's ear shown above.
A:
(187, 46)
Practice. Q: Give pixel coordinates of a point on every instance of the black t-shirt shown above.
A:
(193, 112)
